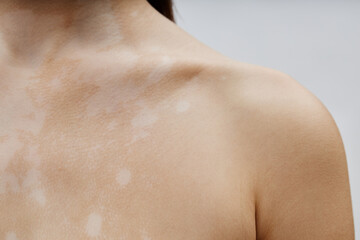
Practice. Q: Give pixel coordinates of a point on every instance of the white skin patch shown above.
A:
(26, 17)
(32, 182)
(61, 74)
(155, 49)
(33, 155)
(134, 14)
(112, 125)
(55, 83)
(7, 150)
(160, 71)
(31, 179)
(39, 196)
(3, 46)
(144, 118)
(14, 183)
(145, 235)
(109, 95)
(182, 106)
(2, 185)
(123, 177)
(130, 56)
(23, 117)
(99, 17)
(93, 226)
(11, 236)
(141, 135)
(11, 181)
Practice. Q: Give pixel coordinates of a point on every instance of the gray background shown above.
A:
(315, 42)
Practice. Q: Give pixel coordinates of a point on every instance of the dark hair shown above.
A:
(165, 7)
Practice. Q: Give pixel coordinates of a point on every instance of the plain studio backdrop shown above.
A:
(315, 42)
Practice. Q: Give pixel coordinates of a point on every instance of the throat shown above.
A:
(33, 31)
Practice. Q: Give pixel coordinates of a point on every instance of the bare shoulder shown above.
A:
(296, 152)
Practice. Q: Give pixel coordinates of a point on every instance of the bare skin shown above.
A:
(116, 124)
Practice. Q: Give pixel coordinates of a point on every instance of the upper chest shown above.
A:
(91, 163)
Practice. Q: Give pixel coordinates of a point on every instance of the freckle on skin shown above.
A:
(123, 177)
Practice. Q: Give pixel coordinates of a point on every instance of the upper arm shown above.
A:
(302, 187)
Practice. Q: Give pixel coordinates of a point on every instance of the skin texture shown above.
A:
(116, 124)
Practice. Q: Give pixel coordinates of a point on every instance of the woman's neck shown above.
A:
(33, 29)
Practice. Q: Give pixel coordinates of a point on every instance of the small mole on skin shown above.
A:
(11, 236)
(123, 177)
(93, 226)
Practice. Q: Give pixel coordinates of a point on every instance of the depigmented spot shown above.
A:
(61, 74)
(104, 16)
(134, 14)
(2, 184)
(110, 93)
(145, 118)
(20, 116)
(145, 235)
(33, 155)
(94, 224)
(161, 70)
(182, 106)
(31, 179)
(8, 149)
(112, 125)
(28, 17)
(140, 135)
(123, 177)
(14, 183)
(11, 181)
(11, 236)
(39, 196)
(130, 56)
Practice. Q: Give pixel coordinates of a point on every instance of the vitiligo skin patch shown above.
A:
(11, 236)
(182, 106)
(93, 226)
(103, 136)
(123, 177)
